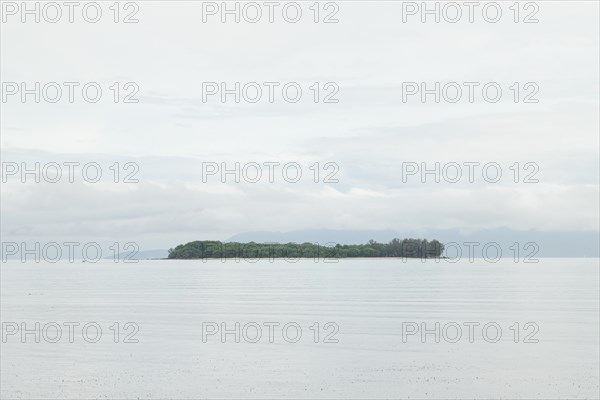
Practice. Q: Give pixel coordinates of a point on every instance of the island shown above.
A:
(407, 248)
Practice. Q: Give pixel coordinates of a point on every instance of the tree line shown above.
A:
(409, 248)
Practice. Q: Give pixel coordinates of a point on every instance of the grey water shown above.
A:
(357, 328)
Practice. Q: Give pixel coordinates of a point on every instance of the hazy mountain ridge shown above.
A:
(551, 244)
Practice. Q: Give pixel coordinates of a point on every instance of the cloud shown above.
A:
(369, 134)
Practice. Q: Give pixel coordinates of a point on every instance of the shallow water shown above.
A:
(368, 304)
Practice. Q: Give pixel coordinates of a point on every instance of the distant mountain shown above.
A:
(551, 244)
(320, 236)
(147, 254)
(140, 255)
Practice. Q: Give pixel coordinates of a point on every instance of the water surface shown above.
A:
(367, 303)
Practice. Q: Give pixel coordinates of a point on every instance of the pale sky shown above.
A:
(369, 133)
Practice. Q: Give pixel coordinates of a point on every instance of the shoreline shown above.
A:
(297, 258)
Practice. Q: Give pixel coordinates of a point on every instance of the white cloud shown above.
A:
(369, 133)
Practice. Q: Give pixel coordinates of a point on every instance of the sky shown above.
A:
(171, 139)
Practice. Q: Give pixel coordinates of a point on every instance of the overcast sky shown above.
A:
(368, 133)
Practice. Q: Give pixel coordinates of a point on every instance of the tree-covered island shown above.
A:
(409, 248)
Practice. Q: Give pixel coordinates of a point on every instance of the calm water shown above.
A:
(368, 303)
